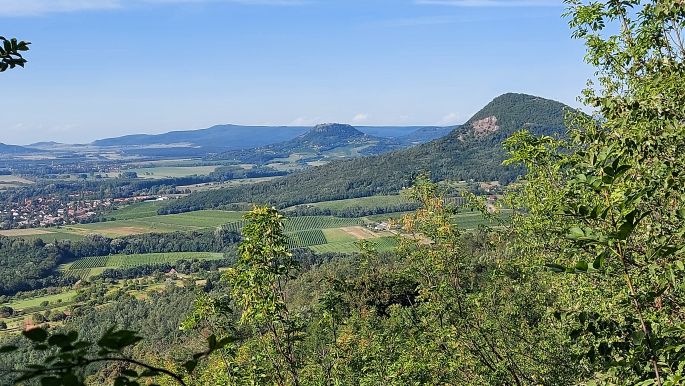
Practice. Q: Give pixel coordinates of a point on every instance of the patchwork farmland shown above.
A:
(91, 266)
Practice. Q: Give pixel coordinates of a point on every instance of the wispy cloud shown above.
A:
(493, 3)
(306, 121)
(449, 119)
(37, 7)
(360, 118)
(40, 7)
(246, 2)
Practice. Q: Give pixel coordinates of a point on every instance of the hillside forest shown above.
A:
(575, 276)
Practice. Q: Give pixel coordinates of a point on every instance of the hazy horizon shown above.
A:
(109, 68)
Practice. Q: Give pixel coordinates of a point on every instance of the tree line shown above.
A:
(28, 265)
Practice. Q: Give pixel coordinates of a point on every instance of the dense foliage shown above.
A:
(26, 265)
(103, 355)
(353, 212)
(584, 286)
(606, 208)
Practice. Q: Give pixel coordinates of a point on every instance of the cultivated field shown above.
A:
(32, 303)
(24, 232)
(7, 182)
(91, 266)
(46, 234)
(306, 238)
(226, 184)
(168, 171)
(191, 221)
(351, 234)
(381, 244)
(137, 210)
(304, 223)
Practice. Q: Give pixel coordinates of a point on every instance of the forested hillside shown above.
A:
(575, 276)
(472, 151)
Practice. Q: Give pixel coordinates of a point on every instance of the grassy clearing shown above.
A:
(381, 244)
(14, 180)
(168, 171)
(137, 210)
(173, 171)
(337, 235)
(51, 234)
(23, 232)
(22, 304)
(7, 182)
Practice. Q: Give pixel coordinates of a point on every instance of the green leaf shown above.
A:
(582, 266)
(599, 261)
(555, 267)
(625, 230)
(576, 233)
(637, 337)
(225, 341)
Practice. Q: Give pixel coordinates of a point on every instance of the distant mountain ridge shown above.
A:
(329, 141)
(237, 137)
(44, 144)
(471, 151)
(218, 136)
(16, 149)
(220, 139)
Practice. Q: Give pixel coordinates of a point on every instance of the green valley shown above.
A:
(535, 242)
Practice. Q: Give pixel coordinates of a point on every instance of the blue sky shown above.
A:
(102, 68)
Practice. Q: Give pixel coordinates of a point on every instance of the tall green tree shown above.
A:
(258, 280)
(606, 208)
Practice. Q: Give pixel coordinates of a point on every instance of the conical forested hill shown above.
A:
(316, 142)
(471, 151)
(329, 134)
